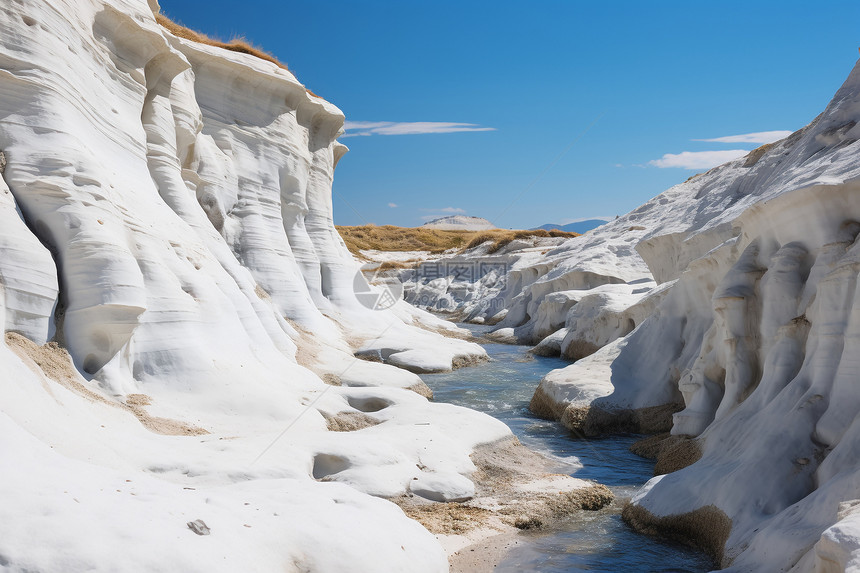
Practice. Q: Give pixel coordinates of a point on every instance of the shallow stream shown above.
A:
(588, 541)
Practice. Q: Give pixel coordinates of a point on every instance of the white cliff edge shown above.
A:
(180, 319)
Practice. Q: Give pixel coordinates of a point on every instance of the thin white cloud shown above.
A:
(759, 137)
(450, 210)
(393, 205)
(358, 128)
(698, 159)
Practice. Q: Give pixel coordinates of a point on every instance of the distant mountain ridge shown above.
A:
(576, 227)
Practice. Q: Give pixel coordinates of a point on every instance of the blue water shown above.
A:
(589, 540)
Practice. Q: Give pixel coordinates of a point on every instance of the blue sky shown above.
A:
(545, 112)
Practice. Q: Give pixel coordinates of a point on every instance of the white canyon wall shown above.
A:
(730, 300)
(754, 336)
(165, 216)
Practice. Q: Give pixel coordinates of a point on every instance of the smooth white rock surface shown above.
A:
(165, 214)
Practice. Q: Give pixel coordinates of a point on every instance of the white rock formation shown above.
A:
(755, 337)
(459, 223)
(749, 339)
(165, 215)
(477, 285)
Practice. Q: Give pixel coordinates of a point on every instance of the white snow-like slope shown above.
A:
(757, 335)
(165, 215)
(459, 223)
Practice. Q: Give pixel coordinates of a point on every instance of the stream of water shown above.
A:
(588, 541)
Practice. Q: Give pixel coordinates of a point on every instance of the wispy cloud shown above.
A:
(698, 159)
(448, 210)
(759, 137)
(357, 128)
(393, 205)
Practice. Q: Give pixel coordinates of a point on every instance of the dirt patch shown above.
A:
(331, 379)
(685, 452)
(138, 400)
(349, 421)
(483, 556)
(706, 528)
(574, 418)
(137, 403)
(55, 363)
(546, 350)
(445, 518)
(261, 293)
(671, 452)
(650, 447)
(542, 406)
(594, 420)
(369, 356)
(578, 349)
(514, 488)
(167, 426)
(307, 348)
(469, 360)
(422, 389)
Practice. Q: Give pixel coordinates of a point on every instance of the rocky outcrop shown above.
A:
(181, 318)
(755, 337)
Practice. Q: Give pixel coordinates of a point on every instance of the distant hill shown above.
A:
(577, 227)
(459, 223)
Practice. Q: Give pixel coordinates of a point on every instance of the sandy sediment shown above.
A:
(543, 406)
(515, 490)
(593, 420)
(422, 389)
(349, 421)
(483, 555)
(671, 452)
(55, 364)
(706, 528)
(579, 349)
(470, 360)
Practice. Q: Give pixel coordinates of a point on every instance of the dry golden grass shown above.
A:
(235, 45)
(757, 153)
(397, 265)
(391, 238)
(502, 237)
(238, 44)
